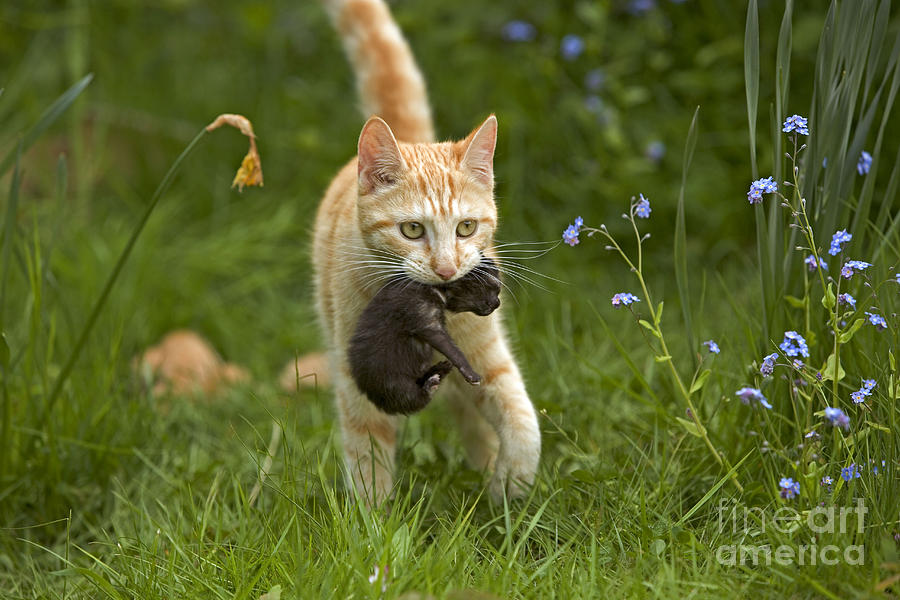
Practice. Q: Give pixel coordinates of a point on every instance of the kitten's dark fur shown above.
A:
(391, 350)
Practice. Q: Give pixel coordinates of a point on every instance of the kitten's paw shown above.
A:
(432, 383)
(433, 377)
(471, 376)
(442, 368)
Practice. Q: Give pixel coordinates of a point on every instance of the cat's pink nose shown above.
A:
(445, 273)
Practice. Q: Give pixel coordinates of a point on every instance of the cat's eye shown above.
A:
(466, 228)
(412, 229)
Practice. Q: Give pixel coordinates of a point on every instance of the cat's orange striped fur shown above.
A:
(402, 176)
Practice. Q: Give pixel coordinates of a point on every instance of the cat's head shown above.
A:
(429, 208)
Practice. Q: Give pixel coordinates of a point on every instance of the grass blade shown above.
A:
(114, 275)
(890, 192)
(751, 77)
(777, 256)
(709, 494)
(751, 82)
(767, 283)
(865, 201)
(53, 112)
(9, 230)
(681, 272)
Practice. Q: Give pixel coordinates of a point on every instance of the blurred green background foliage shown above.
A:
(577, 136)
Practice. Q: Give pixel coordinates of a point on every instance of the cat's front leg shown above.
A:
(504, 403)
(369, 438)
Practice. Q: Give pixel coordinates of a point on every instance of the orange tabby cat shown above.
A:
(407, 206)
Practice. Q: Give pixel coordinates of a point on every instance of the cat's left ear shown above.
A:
(478, 160)
(379, 162)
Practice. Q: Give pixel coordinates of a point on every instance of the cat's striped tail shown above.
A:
(389, 82)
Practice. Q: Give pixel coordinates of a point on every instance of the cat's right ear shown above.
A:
(379, 162)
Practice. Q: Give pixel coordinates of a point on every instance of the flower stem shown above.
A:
(803, 222)
(685, 393)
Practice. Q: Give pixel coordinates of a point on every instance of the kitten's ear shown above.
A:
(478, 160)
(379, 162)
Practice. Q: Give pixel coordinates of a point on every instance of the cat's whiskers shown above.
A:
(520, 268)
(520, 254)
(372, 268)
(547, 245)
(479, 273)
(519, 277)
(508, 256)
(387, 281)
(369, 251)
(374, 263)
(369, 270)
(528, 243)
(510, 250)
(415, 269)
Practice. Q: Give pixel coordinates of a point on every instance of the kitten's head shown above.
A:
(477, 292)
(428, 208)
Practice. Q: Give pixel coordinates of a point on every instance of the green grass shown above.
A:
(106, 491)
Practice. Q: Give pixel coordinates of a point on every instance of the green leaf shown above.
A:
(698, 383)
(828, 371)
(828, 300)
(659, 310)
(795, 301)
(858, 437)
(680, 249)
(878, 427)
(646, 325)
(892, 361)
(691, 427)
(661, 359)
(583, 475)
(848, 335)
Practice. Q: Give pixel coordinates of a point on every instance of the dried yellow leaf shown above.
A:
(250, 171)
(239, 122)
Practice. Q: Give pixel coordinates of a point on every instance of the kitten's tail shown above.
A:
(389, 82)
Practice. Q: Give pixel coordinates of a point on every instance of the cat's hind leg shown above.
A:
(369, 438)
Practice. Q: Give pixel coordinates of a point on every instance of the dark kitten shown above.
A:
(390, 351)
